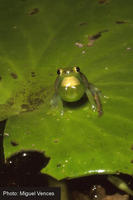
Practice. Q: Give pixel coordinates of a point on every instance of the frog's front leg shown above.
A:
(92, 90)
(56, 101)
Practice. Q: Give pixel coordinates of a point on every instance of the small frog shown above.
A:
(71, 85)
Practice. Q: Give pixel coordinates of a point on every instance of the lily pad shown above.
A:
(36, 38)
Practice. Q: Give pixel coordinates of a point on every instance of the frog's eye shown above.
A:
(76, 69)
(59, 71)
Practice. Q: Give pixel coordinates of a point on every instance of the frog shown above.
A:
(71, 85)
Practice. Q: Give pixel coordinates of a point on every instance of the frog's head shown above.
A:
(69, 77)
(68, 71)
(71, 87)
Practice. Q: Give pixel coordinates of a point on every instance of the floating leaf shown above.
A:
(36, 38)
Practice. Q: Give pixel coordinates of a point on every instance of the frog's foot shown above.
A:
(94, 108)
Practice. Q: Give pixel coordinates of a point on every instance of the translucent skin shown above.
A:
(71, 94)
(71, 85)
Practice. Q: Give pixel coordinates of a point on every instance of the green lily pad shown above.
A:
(36, 38)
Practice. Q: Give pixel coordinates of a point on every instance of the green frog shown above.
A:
(70, 86)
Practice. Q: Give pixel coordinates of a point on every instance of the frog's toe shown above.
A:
(100, 113)
(93, 108)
